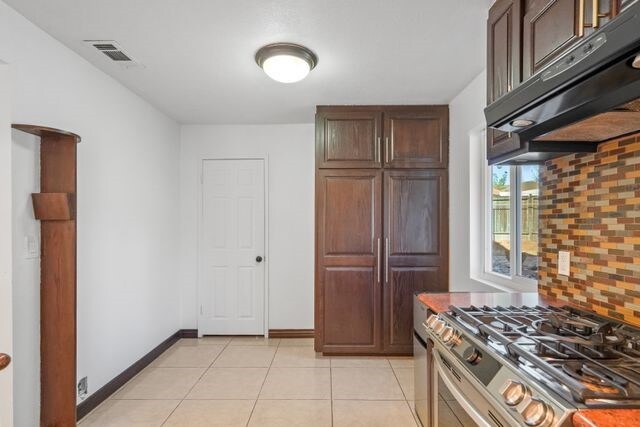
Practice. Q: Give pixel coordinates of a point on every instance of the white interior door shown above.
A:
(232, 243)
(6, 321)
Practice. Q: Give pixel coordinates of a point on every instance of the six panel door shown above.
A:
(503, 66)
(348, 139)
(416, 137)
(231, 290)
(348, 251)
(415, 248)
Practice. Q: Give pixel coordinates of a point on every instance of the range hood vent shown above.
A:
(589, 96)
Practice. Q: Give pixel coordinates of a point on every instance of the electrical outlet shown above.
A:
(83, 388)
(564, 263)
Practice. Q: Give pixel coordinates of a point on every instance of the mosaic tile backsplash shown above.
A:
(590, 206)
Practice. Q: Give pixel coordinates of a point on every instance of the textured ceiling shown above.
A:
(198, 54)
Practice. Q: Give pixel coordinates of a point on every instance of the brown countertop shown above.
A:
(439, 302)
(607, 418)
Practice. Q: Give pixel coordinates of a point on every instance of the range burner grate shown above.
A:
(591, 358)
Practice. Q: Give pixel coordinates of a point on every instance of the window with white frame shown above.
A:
(512, 222)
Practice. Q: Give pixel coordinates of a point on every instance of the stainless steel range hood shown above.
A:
(588, 96)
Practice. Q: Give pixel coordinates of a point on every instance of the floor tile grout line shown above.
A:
(261, 386)
(195, 383)
(398, 381)
(331, 385)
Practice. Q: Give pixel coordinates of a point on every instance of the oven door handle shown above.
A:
(455, 392)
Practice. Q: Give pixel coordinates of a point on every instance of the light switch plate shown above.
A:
(31, 249)
(564, 262)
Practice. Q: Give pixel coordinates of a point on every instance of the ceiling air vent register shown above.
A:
(113, 51)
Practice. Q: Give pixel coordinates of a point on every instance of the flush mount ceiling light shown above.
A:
(636, 62)
(286, 62)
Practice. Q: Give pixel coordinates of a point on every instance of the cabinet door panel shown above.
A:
(416, 247)
(346, 232)
(550, 27)
(348, 139)
(553, 26)
(404, 282)
(416, 138)
(348, 288)
(503, 65)
(351, 315)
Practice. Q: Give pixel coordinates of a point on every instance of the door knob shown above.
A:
(258, 258)
(5, 359)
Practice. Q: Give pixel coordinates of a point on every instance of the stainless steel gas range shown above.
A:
(521, 366)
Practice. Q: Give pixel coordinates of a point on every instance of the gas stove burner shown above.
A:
(593, 375)
(590, 360)
(504, 325)
(564, 329)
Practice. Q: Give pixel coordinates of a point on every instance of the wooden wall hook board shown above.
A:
(55, 206)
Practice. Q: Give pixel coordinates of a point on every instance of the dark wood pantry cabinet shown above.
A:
(524, 36)
(381, 223)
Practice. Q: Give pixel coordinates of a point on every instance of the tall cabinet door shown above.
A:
(416, 137)
(348, 276)
(348, 139)
(503, 65)
(415, 248)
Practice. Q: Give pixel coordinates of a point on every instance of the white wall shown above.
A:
(26, 272)
(6, 331)
(291, 216)
(466, 116)
(127, 209)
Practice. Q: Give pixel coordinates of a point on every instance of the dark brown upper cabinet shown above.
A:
(348, 138)
(348, 260)
(524, 36)
(416, 137)
(503, 65)
(415, 248)
(550, 27)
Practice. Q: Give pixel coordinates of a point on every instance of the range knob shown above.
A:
(537, 413)
(447, 334)
(432, 320)
(514, 392)
(439, 326)
(472, 356)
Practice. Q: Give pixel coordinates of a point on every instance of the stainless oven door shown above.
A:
(455, 400)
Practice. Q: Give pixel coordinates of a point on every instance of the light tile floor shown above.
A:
(255, 382)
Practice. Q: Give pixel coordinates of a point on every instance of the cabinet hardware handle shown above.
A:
(378, 150)
(581, 19)
(386, 260)
(379, 266)
(386, 149)
(595, 13)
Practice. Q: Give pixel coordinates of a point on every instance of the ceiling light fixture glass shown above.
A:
(286, 62)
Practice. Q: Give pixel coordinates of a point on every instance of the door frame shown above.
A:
(267, 258)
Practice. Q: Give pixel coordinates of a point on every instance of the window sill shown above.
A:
(506, 284)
